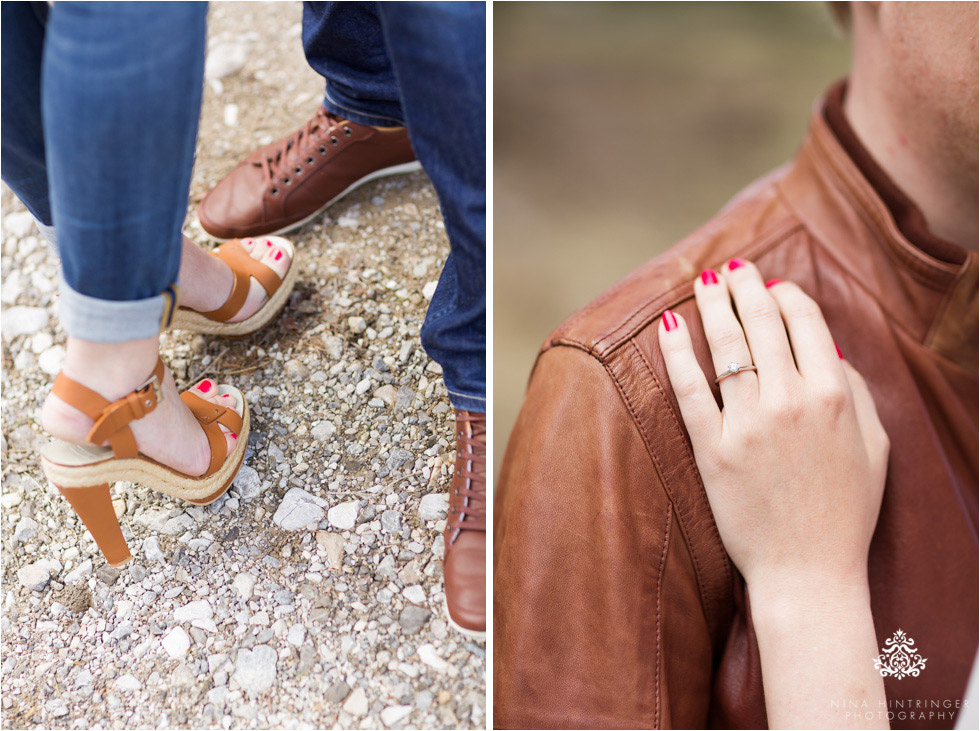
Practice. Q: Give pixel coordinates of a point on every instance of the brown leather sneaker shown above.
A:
(465, 562)
(283, 185)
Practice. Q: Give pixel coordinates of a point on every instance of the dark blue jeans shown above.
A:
(423, 65)
(100, 104)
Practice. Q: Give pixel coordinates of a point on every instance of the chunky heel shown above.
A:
(94, 506)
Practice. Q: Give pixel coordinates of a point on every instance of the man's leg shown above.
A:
(357, 135)
(438, 52)
(24, 167)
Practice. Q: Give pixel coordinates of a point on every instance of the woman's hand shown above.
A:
(794, 469)
(794, 465)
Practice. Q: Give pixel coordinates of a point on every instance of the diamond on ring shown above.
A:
(732, 369)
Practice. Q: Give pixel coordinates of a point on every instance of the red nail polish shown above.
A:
(735, 264)
(233, 435)
(708, 276)
(670, 322)
(278, 256)
(205, 386)
(268, 243)
(773, 282)
(839, 354)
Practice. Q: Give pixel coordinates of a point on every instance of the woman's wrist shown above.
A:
(779, 595)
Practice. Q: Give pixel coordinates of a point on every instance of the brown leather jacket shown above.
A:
(615, 603)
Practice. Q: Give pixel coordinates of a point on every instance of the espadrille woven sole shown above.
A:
(193, 321)
(70, 465)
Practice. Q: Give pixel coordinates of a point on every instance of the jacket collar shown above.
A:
(928, 286)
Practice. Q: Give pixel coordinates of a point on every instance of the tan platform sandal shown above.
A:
(244, 268)
(83, 473)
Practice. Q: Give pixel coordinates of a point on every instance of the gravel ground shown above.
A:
(311, 595)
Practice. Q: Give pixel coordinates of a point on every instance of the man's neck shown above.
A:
(946, 196)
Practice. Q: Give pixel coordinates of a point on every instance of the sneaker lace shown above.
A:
(311, 137)
(472, 495)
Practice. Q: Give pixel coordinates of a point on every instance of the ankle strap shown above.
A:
(112, 418)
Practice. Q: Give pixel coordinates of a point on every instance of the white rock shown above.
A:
(363, 386)
(24, 362)
(56, 707)
(357, 324)
(18, 224)
(247, 483)
(434, 506)
(299, 509)
(356, 703)
(343, 516)
(26, 529)
(52, 360)
(244, 584)
(176, 643)
(34, 576)
(255, 670)
(208, 625)
(218, 695)
(333, 545)
(194, 610)
(151, 549)
(231, 115)
(153, 519)
(429, 289)
(428, 655)
(395, 714)
(348, 222)
(179, 524)
(128, 683)
(216, 661)
(13, 288)
(323, 431)
(296, 635)
(53, 565)
(83, 571)
(41, 342)
(21, 320)
(415, 594)
(224, 60)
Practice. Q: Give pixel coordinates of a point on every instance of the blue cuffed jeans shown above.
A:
(423, 65)
(100, 102)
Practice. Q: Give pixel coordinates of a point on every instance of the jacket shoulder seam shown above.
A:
(656, 305)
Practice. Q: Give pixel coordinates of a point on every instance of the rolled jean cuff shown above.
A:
(111, 321)
(463, 402)
(335, 103)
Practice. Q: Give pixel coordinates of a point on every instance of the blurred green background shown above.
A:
(620, 127)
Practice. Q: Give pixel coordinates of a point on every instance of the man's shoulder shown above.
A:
(751, 224)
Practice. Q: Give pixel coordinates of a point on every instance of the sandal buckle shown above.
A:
(150, 384)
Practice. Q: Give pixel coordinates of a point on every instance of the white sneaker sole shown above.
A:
(408, 167)
(472, 634)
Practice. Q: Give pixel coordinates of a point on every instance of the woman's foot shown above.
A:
(169, 434)
(206, 281)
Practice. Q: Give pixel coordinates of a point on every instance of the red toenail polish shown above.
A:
(839, 354)
(205, 386)
(735, 264)
(233, 435)
(773, 282)
(670, 322)
(278, 256)
(268, 243)
(708, 276)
